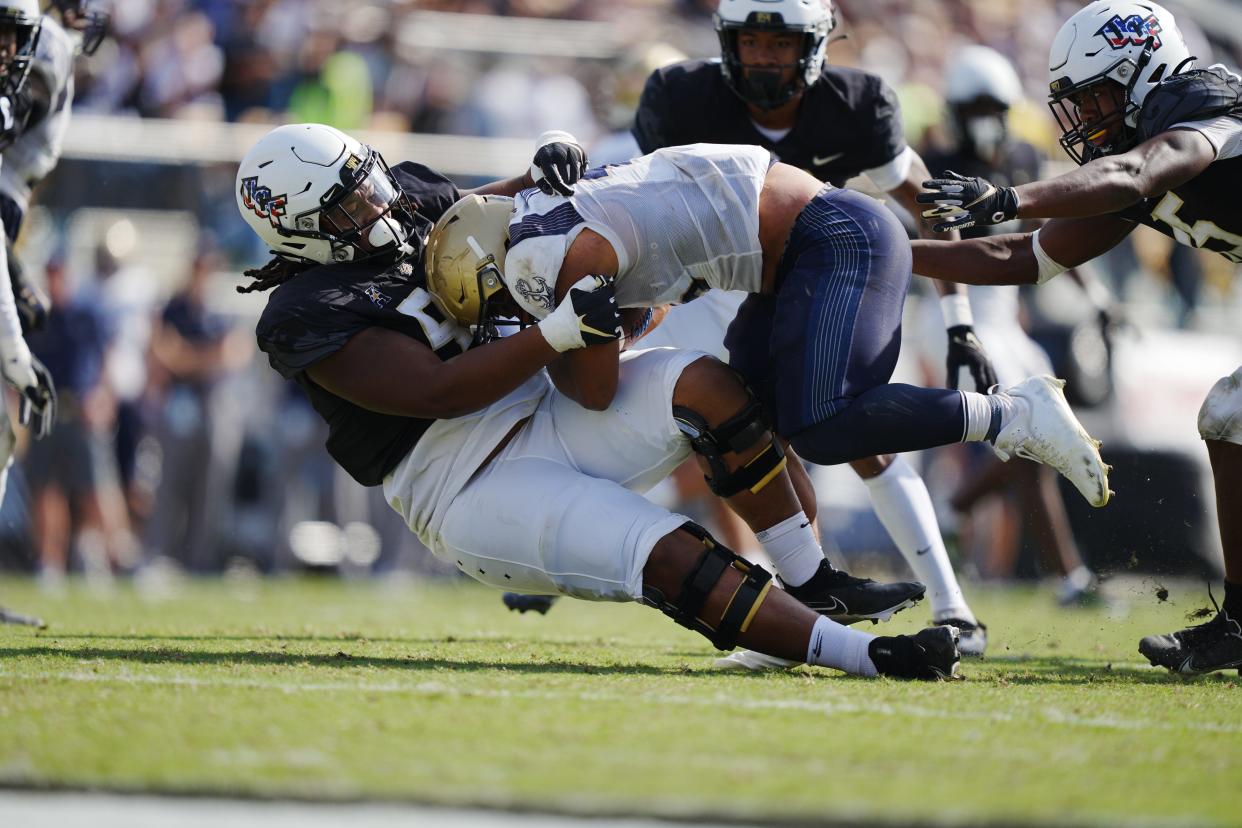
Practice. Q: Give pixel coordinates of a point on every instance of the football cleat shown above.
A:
(1045, 430)
(847, 600)
(930, 654)
(753, 661)
(526, 603)
(1205, 648)
(972, 636)
(10, 617)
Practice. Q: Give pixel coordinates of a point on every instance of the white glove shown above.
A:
(587, 316)
(38, 403)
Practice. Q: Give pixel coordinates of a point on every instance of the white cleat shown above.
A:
(1049, 433)
(753, 661)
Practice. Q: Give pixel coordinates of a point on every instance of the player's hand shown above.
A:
(966, 351)
(559, 162)
(31, 305)
(966, 202)
(587, 316)
(38, 401)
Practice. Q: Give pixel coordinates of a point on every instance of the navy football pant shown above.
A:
(820, 351)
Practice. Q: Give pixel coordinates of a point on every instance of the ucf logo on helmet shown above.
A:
(261, 202)
(1121, 32)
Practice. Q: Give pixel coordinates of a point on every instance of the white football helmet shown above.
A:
(466, 260)
(315, 194)
(23, 20)
(812, 19)
(980, 87)
(1128, 47)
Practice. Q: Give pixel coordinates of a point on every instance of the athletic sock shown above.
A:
(1232, 604)
(793, 548)
(901, 502)
(987, 414)
(840, 647)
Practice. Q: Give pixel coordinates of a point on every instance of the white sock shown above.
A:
(978, 416)
(901, 502)
(793, 548)
(840, 647)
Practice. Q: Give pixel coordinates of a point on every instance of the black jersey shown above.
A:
(1205, 212)
(849, 120)
(313, 315)
(1019, 163)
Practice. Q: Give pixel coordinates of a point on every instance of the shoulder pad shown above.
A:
(1190, 96)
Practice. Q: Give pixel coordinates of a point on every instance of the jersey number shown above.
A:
(1201, 233)
(441, 331)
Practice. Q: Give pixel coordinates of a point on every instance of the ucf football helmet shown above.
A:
(315, 194)
(1123, 49)
(20, 22)
(811, 20)
(465, 263)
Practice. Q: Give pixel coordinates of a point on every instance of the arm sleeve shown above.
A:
(891, 175)
(1223, 132)
(886, 137)
(294, 341)
(650, 122)
(11, 341)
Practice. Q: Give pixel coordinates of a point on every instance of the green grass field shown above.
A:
(435, 693)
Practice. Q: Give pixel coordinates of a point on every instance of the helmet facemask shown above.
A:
(22, 31)
(367, 215)
(766, 87)
(90, 24)
(1081, 139)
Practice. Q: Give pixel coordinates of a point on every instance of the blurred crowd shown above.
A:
(176, 445)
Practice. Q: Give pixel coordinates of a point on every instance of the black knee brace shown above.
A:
(736, 434)
(698, 584)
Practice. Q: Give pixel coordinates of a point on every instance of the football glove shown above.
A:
(587, 316)
(559, 162)
(966, 351)
(966, 202)
(38, 393)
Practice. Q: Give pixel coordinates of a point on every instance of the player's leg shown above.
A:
(706, 588)
(835, 340)
(904, 506)
(744, 464)
(1217, 644)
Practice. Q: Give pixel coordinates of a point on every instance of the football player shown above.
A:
(517, 485)
(835, 265)
(41, 117)
(1159, 142)
(772, 87)
(20, 22)
(980, 87)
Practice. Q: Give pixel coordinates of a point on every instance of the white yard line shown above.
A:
(102, 810)
(1042, 715)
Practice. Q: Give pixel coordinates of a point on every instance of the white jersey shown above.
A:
(680, 220)
(37, 149)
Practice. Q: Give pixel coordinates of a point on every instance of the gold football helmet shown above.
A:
(465, 261)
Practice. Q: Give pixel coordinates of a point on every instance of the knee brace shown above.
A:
(737, 434)
(1220, 418)
(698, 584)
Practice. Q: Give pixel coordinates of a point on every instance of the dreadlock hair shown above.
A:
(278, 271)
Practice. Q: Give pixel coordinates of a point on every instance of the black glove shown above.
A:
(966, 351)
(558, 166)
(37, 409)
(588, 315)
(966, 202)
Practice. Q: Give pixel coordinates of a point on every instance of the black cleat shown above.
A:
(973, 639)
(525, 603)
(10, 617)
(848, 600)
(1205, 648)
(930, 654)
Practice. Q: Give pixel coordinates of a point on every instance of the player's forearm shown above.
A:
(1103, 186)
(11, 341)
(995, 260)
(483, 375)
